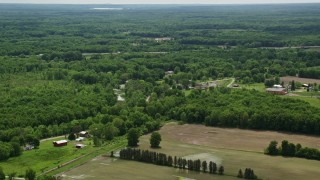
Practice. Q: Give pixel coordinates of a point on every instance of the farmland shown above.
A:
(48, 156)
(45, 157)
(63, 69)
(288, 79)
(233, 148)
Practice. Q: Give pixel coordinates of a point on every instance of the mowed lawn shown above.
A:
(311, 100)
(233, 148)
(46, 157)
(257, 86)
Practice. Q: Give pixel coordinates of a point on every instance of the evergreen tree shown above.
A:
(30, 174)
(214, 168)
(184, 163)
(175, 162)
(170, 161)
(111, 155)
(204, 166)
(249, 174)
(240, 174)
(221, 170)
(211, 167)
(293, 86)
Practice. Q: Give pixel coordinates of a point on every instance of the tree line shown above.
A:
(310, 73)
(288, 149)
(248, 174)
(167, 160)
(14, 147)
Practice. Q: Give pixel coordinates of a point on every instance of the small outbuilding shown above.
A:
(60, 143)
(84, 134)
(28, 147)
(80, 139)
(169, 73)
(80, 146)
(277, 86)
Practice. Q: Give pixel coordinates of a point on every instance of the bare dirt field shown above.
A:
(232, 148)
(108, 168)
(231, 138)
(288, 79)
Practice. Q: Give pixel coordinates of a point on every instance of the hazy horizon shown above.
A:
(159, 1)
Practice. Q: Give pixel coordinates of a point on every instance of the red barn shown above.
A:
(60, 143)
(277, 91)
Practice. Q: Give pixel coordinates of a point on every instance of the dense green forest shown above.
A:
(63, 68)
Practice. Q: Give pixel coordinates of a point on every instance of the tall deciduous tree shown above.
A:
(96, 141)
(272, 148)
(71, 137)
(293, 85)
(133, 137)
(155, 139)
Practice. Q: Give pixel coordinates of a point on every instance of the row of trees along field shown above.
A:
(291, 150)
(167, 160)
(178, 162)
(310, 73)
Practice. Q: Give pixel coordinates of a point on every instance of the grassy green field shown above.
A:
(305, 93)
(177, 141)
(257, 86)
(46, 157)
(311, 100)
(116, 144)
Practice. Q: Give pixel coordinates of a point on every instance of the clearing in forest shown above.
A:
(233, 148)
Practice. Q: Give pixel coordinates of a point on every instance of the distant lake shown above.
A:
(108, 9)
